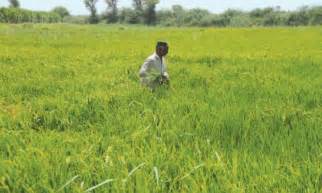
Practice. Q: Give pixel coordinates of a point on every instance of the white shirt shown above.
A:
(152, 68)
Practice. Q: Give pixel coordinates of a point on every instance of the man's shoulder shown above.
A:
(153, 57)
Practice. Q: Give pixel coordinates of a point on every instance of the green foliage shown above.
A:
(15, 15)
(149, 12)
(243, 113)
(130, 16)
(112, 11)
(76, 19)
(193, 16)
(300, 17)
(166, 18)
(138, 5)
(242, 20)
(144, 12)
(14, 3)
(62, 11)
(91, 6)
(139, 13)
(315, 15)
(261, 13)
(178, 16)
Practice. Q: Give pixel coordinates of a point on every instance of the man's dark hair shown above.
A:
(160, 43)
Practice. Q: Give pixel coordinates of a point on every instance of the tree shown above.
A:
(269, 16)
(260, 13)
(128, 15)
(165, 18)
(194, 16)
(315, 14)
(149, 11)
(227, 17)
(91, 6)
(112, 11)
(62, 11)
(139, 13)
(179, 14)
(14, 3)
(138, 5)
(300, 17)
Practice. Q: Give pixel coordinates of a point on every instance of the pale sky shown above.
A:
(76, 7)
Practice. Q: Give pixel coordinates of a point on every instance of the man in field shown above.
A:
(153, 72)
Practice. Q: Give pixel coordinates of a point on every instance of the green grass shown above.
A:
(244, 113)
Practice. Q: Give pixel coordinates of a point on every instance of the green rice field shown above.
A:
(243, 113)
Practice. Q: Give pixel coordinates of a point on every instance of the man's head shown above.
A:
(162, 48)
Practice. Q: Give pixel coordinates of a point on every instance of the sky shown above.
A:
(76, 7)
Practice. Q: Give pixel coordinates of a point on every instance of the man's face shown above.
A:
(163, 50)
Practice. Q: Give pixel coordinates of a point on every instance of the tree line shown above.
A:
(144, 12)
(270, 16)
(15, 14)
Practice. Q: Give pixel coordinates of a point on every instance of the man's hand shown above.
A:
(164, 79)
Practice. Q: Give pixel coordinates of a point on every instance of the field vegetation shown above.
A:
(243, 113)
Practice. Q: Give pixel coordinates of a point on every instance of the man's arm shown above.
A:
(145, 68)
(165, 72)
(166, 75)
